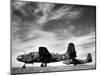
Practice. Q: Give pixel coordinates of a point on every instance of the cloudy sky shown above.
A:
(52, 25)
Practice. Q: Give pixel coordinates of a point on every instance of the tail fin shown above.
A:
(89, 57)
(71, 51)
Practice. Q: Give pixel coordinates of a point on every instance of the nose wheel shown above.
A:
(24, 66)
(44, 65)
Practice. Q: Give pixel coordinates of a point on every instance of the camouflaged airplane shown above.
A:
(44, 57)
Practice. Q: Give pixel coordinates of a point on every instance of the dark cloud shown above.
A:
(25, 12)
(58, 6)
(51, 17)
(88, 45)
(86, 22)
(55, 24)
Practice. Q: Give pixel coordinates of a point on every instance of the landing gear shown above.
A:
(44, 65)
(24, 66)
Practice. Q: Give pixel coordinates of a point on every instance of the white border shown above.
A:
(5, 36)
(85, 2)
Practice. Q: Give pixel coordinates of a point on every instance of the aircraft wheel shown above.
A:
(24, 66)
(44, 65)
(41, 65)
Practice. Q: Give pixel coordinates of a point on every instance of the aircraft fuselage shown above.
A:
(34, 57)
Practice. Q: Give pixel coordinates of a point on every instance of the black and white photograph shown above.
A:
(52, 37)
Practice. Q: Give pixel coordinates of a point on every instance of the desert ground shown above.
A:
(30, 70)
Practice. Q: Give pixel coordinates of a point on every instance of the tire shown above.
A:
(44, 65)
(24, 66)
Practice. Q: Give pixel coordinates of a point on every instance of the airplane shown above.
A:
(78, 61)
(44, 57)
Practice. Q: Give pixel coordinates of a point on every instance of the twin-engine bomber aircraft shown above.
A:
(45, 57)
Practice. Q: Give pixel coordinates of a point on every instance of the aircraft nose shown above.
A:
(19, 58)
